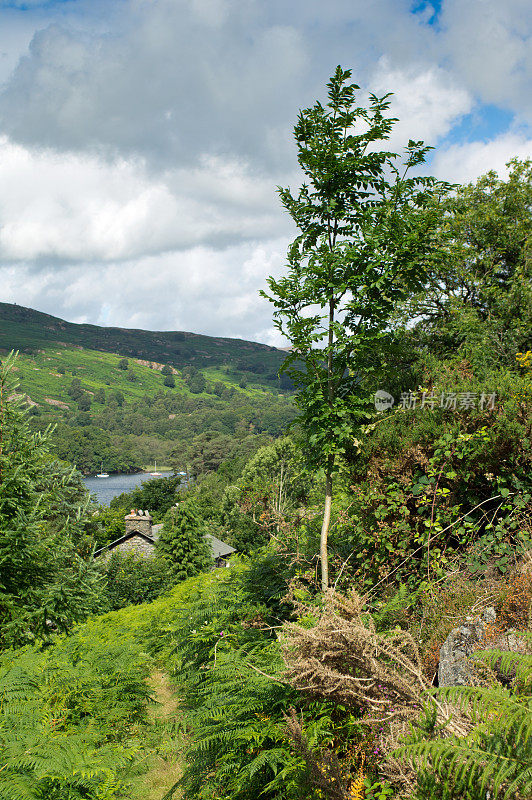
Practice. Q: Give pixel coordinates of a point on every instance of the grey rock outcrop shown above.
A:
(455, 668)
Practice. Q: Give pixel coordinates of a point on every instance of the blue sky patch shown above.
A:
(31, 5)
(428, 8)
(485, 122)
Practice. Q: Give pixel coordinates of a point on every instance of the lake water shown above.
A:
(107, 488)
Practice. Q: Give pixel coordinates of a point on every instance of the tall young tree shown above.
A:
(366, 237)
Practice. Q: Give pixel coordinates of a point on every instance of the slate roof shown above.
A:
(219, 549)
(121, 539)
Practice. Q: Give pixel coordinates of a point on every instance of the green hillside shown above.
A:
(46, 375)
(28, 330)
(126, 397)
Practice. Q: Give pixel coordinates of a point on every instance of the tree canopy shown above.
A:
(182, 542)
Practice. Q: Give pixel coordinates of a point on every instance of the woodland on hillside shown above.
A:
(126, 411)
(290, 689)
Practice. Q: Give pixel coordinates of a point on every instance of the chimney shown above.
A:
(140, 521)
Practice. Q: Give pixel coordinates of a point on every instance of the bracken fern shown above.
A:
(496, 756)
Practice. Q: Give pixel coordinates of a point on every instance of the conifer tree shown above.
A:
(182, 542)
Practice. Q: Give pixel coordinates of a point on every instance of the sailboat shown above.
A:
(101, 473)
(155, 473)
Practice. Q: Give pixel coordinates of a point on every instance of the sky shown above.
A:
(142, 141)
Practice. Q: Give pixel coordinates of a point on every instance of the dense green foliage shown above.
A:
(496, 756)
(157, 495)
(126, 412)
(182, 544)
(174, 427)
(45, 584)
(132, 579)
(70, 718)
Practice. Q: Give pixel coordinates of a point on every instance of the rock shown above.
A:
(454, 668)
(513, 641)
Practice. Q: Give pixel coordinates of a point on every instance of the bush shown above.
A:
(157, 495)
(494, 759)
(45, 585)
(84, 402)
(197, 383)
(132, 579)
(68, 716)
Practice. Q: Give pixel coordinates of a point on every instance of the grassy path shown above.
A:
(164, 761)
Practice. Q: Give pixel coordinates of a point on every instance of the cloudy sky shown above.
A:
(141, 141)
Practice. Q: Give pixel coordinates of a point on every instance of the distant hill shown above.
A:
(28, 330)
(126, 397)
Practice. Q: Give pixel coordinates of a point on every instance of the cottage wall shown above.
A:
(137, 545)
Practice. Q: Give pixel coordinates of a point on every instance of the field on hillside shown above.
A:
(46, 376)
(127, 397)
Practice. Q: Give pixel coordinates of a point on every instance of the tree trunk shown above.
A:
(324, 556)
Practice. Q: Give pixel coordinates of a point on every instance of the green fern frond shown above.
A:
(497, 753)
(510, 663)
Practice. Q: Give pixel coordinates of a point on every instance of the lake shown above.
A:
(107, 488)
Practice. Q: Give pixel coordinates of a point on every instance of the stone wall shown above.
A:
(139, 522)
(136, 544)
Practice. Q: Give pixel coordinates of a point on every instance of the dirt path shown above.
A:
(165, 765)
(164, 696)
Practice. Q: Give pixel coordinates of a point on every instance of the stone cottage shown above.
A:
(141, 534)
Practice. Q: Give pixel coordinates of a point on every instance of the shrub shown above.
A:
(68, 716)
(495, 757)
(45, 585)
(132, 579)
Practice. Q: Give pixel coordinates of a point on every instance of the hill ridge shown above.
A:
(26, 329)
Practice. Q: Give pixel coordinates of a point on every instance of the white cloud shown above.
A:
(489, 44)
(201, 290)
(463, 163)
(74, 207)
(141, 141)
(427, 101)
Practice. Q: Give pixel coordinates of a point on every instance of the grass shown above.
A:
(47, 375)
(165, 744)
(40, 377)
